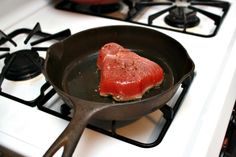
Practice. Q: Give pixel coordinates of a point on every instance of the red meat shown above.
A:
(126, 75)
(106, 51)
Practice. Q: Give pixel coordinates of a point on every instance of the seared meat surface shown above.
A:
(124, 74)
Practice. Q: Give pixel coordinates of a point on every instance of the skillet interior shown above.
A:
(75, 59)
(81, 80)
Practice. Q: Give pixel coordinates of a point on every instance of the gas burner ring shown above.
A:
(182, 17)
(25, 64)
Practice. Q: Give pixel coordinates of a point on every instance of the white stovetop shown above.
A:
(198, 128)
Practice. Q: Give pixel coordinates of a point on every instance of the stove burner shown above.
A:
(182, 17)
(132, 10)
(25, 64)
(103, 9)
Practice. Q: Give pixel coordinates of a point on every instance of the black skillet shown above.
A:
(70, 67)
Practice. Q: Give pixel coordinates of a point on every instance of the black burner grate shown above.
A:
(182, 17)
(136, 7)
(168, 114)
(24, 64)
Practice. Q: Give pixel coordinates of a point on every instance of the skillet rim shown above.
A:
(175, 85)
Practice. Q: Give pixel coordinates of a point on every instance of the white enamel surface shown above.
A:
(12, 12)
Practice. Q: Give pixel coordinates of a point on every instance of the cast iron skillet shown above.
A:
(70, 67)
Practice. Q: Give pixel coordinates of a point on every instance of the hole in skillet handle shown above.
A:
(70, 137)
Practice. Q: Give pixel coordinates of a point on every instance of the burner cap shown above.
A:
(105, 8)
(24, 66)
(182, 17)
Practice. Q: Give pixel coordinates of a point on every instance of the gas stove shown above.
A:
(201, 18)
(192, 124)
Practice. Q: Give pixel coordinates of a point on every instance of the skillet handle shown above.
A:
(72, 133)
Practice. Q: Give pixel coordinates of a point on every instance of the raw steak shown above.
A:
(124, 74)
